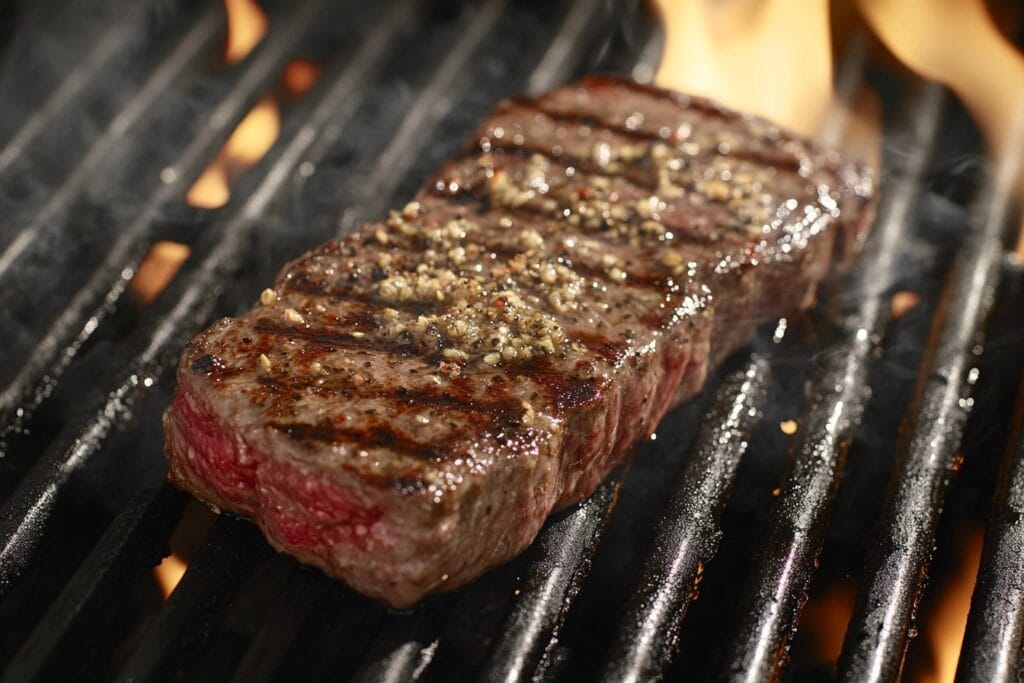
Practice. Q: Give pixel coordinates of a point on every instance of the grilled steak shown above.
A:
(405, 407)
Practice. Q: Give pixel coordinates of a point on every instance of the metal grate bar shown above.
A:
(139, 531)
(566, 545)
(550, 586)
(995, 626)
(404, 648)
(231, 548)
(336, 107)
(191, 46)
(23, 517)
(81, 75)
(782, 573)
(877, 637)
(529, 629)
(563, 53)
(432, 104)
(273, 641)
(688, 532)
(92, 304)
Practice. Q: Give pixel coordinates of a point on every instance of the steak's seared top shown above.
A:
(404, 407)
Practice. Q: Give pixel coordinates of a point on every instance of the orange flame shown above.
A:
(903, 302)
(766, 57)
(247, 24)
(300, 76)
(943, 627)
(956, 43)
(256, 133)
(157, 269)
(826, 618)
(248, 143)
(168, 573)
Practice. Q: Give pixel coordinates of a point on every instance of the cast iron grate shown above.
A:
(104, 137)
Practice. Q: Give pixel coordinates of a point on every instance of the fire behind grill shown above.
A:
(102, 139)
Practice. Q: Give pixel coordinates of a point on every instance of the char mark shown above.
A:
(331, 339)
(565, 392)
(374, 436)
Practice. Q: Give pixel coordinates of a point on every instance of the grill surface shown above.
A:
(101, 139)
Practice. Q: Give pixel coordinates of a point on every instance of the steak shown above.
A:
(405, 407)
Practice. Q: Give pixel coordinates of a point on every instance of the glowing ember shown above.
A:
(168, 573)
(247, 24)
(903, 302)
(157, 270)
(788, 427)
(300, 76)
(770, 57)
(248, 143)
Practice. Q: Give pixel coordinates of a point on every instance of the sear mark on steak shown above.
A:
(405, 407)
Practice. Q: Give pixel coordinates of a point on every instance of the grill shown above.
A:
(112, 110)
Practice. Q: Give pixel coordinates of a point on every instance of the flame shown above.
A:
(943, 628)
(826, 617)
(157, 269)
(956, 43)
(766, 57)
(254, 135)
(788, 427)
(248, 143)
(903, 302)
(247, 24)
(168, 573)
(300, 76)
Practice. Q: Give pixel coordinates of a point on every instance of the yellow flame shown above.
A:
(157, 269)
(248, 144)
(168, 573)
(254, 135)
(944, 627)
(955, 42)
(788, 427)
(826, 618)
(903, 302)
(766, 57)
(247, 24)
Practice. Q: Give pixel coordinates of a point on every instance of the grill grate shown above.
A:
(85, 511)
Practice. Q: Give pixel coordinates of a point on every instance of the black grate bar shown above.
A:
(995, 626)
(195, 303)
(538, 616)
(108, 282)
(138, 531)
(688, 532)
(402, 649)
(877, 637)
(564, 52)
(117, 39)
(555, 614)
(23, 517)
(550, 586)
(432, 104)
(782, 573)
(190, 47)
(230, 549)
(277, 635)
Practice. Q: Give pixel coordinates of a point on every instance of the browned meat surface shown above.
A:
(405, 407)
